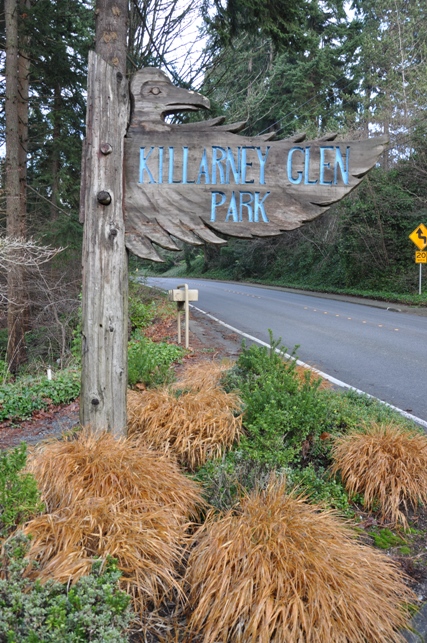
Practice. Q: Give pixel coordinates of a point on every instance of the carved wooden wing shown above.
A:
(189, 181)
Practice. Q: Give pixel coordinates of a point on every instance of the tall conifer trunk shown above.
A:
(16, 112)
(56, 134)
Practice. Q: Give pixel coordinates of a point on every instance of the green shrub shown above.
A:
(20, 399)
(289, 422)
(150, 362)
(19, 497)
(93, 609)
(147, 304)
(284, 414)
(320, 488)
(225, 480)
(140, 314)
(351, 410)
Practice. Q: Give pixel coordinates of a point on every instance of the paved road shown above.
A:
(381, 352)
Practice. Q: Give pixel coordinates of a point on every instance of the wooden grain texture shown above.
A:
(105, 275)
(111, 30)
(201, 178)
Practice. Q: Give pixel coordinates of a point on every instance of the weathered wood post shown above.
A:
(105, 272)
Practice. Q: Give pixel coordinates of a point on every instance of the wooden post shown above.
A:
(105, 272)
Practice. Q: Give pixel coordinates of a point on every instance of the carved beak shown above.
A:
(184, 100)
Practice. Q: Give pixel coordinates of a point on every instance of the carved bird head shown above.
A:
(155, 97)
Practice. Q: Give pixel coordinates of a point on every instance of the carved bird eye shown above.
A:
(155, 91)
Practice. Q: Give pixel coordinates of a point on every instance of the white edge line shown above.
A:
(325, 376)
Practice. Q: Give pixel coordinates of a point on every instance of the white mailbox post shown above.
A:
(182, 295)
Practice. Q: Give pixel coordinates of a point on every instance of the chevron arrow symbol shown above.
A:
(421, 236)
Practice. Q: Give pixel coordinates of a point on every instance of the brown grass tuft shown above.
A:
(106, 497)
(387, 465)
(203, 375)
(193, 427)
(279, 571)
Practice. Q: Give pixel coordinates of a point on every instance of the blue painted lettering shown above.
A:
(231, 166)
(232, 209)
(185, 166)
(262, 161)
(216, 204)
(291, 178)
(171, 165)
(217, 164)
(245, 164)
(339, 163)
(203, 169)
(307, 168)
(247, 204)
(160, 165)
(143, 167)
(259, 207)
(324, 165)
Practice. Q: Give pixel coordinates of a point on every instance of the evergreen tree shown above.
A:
(61, 33)
(393, 59)
(311, 87)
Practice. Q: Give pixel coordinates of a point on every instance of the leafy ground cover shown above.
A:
(94, 609)
(19, 399)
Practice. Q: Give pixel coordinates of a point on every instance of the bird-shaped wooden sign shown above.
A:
(189, 181)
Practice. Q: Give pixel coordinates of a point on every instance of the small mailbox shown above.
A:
(179, 295)
(182, 295)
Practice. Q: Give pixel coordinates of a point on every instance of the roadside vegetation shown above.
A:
(234, 479)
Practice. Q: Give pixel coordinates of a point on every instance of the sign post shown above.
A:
(419, 237)
(182, 298)
(105, 276)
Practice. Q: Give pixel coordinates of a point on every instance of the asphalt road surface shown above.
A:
(378, 351)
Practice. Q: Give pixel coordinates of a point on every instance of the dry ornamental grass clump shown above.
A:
(203, 375)
(195, 426)
(280, 571)
(387, 464)
(106, 497)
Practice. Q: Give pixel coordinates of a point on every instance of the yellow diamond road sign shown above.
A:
(419, 236)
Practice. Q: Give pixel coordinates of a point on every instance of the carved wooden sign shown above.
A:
(188, 181)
